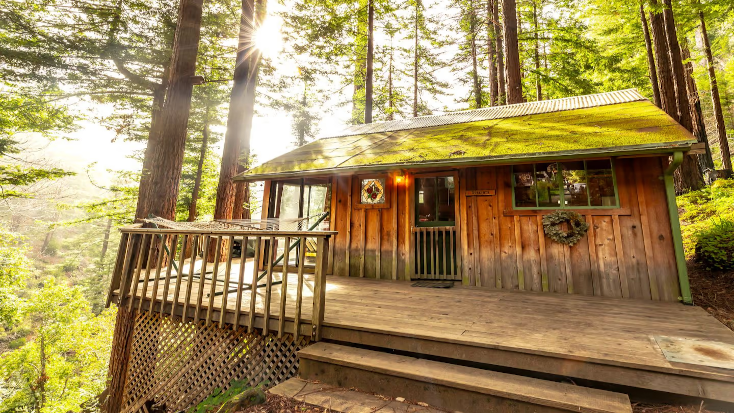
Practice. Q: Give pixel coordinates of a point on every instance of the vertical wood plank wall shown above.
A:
(628, 252)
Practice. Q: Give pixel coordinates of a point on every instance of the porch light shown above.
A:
(399, 178)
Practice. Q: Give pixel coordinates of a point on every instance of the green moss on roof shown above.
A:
(583, 130)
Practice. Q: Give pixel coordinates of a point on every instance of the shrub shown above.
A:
(17, 343)
(715, 245)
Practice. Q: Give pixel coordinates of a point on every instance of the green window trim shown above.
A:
(563, 198)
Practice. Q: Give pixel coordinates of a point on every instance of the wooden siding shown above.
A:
(628, 251)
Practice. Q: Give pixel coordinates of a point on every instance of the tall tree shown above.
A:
(370, 71)
(512, 53)
(536, 56)
(650, 58)
(681, 95)
(697, 120)
(665, 71)
(716, 99)
(492, 54)
(237, 117)
(199, 169)
(169, 153)
(498, 35)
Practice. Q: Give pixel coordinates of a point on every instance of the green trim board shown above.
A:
(615, 129)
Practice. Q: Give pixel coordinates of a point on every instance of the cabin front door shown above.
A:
(434, 229)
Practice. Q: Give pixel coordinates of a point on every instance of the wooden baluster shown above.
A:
(190, 278)
(215, 275)
(119, 264)
(180, 275)
(444, 255)
(138, 270)
(159, 263)
(319, 289)
(125, 275)
(269, 285)
(452, 263)
(202, 277)
(424, 236)
(169, 269)
(225, 290)
(434, 244)
(299, 288)
(148, 263)
(284, 288)
(253, 286)
(240, 283)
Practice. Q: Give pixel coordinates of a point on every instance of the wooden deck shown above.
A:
(598, 339)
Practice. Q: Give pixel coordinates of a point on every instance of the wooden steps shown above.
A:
(337, 399)
(450, 386)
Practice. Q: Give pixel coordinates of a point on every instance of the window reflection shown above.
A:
(435, 200)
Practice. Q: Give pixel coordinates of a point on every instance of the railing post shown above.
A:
(319, 289)
(119, 264)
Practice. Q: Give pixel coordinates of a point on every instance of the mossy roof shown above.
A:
(627, 127)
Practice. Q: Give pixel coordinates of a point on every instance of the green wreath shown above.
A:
(552, 227)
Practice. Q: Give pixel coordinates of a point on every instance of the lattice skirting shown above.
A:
(175, 365)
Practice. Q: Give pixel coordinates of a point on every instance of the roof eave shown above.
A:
(636, 150)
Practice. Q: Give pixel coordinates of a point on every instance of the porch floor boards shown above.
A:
(593, 330)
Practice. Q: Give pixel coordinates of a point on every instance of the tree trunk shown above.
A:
(154, 135)
(694, 101)
(684, 113)
(105, 241)
(718, 112)
(538, 87)
(42, 375)
(512, 54)
(665, 72)
(477, 86)
(390, 98)
(491, 55)
(237, 115)
(416, 58)
(650, 57)
(199, 169)
(370, 62)
(501, 84)
(168, 157)
(241, 208)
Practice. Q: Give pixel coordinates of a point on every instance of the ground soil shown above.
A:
(280, 404)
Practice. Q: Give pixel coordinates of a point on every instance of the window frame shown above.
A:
(563, 198)
(430, 224)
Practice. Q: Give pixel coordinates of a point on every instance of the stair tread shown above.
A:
(509, 386)
(338, 399)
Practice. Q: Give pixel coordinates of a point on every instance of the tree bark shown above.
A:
(501, 84)
(694, 101)
(650, 57)
(237, 115)
(199, 169)
(665, 72)
(718, 112)
(168, 157)
(154, 135)
(370, 62)
(681, 95)
(491, 54)
(538, 87)
(390, 98)
(477, 86)
(512, 54)
(416, 58)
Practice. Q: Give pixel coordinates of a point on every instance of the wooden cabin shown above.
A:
(461, 196)
(328, 285)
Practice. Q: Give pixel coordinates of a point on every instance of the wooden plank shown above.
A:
(530, 253)
(519, 255)
(476, 247)
(348, 242)
(202, 275)
(117, 271)
(646, 232)
(596, 283)
(332, 220)
(452, 251)
(284, 287)
(363, 241)
(378, 248)
(445, 255)
(240, 283)
(486, 265)
(299, 290)
(185, 239)
(215, 276)
(622, 268)
(569, 277)
(459, 204)
(319, 289)
(543, 258)
(169, 269)
(226, 287)
(466, 271)
(159, 264)
(268, 285)
(607, 258)
(138, 269)
(394, 214)
(508, 259)
(497, 258)
(126, 273)
(410, 216)
(253, 285)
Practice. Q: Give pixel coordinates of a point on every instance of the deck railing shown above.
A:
(435, 252)
(166, 271)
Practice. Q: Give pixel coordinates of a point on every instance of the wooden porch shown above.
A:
(595, 339)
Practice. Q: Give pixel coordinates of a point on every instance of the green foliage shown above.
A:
(219, 397)
(704, 215)
(64, 361)
(14, 270)
(715, 245)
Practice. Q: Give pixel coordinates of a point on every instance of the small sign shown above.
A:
(481, 192)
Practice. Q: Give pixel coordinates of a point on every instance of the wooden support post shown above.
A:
(319, 290)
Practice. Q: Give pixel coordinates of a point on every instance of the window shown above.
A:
(435, 201)
(574, 184)
(373, 191)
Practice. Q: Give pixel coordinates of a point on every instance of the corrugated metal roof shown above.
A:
(605, 124)
(495, 112)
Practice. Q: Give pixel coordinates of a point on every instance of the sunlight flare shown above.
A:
(268, 38)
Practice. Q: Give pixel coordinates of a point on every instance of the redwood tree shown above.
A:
(369, 79)
(167, 159)
(492, 54)
(512, 54)
(650, 57)
(665, 72)
(502, 85)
